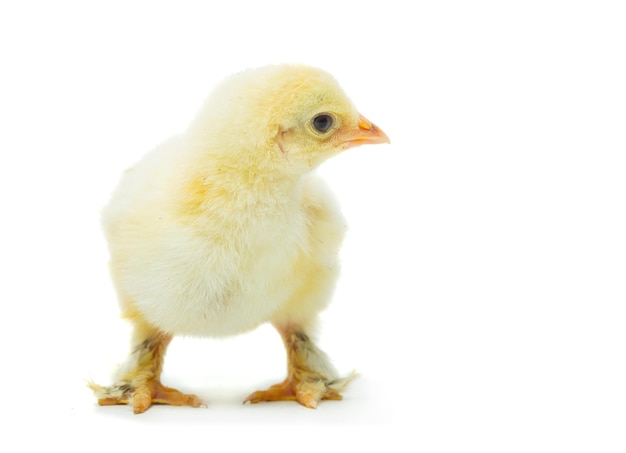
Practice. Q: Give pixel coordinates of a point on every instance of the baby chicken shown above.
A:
(225, 228)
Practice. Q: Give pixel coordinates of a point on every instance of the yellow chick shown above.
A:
(225, 227)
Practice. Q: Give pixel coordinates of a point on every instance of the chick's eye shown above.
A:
(322, 122)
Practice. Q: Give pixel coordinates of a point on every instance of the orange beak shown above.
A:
(367, 134)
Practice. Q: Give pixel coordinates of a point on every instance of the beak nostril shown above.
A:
(365, 125)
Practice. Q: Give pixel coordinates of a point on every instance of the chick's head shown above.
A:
(287, 117)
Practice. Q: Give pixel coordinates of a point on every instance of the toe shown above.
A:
(142, 400)
(173, 397)
(279, 392)
(308, 401)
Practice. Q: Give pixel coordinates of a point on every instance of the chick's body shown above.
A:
(225, 227)
(222, 271)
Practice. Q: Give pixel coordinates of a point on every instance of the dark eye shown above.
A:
(322, 122)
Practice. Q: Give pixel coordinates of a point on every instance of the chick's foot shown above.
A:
(309, 394)
(143, 396)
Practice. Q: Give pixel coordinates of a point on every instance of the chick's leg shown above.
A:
(139, 384)
(310, 375)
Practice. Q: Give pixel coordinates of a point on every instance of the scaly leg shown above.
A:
(310, 375)
(139, 383)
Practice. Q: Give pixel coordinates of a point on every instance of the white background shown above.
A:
(483, 288)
